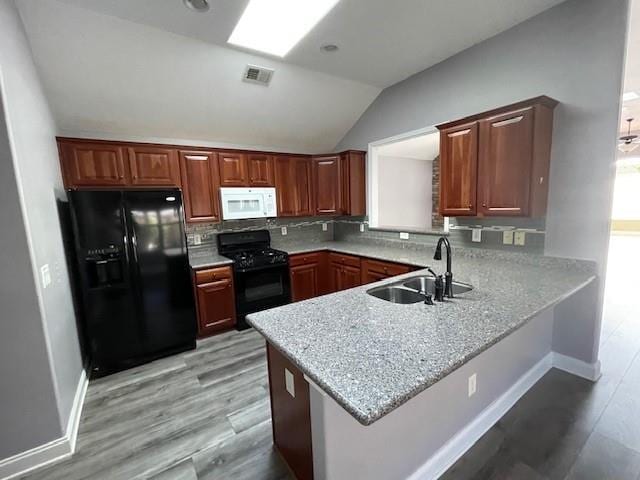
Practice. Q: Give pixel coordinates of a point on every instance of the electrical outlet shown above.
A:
(404, 236)
(362, 227)
(46, 275)
(325, 227)
(519, 238)
(197, 239)
(472, 384)
(507, 237)
(283, 230)
(289, 383)
(476, 235)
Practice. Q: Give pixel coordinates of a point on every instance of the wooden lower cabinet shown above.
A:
(216, 302)
(344, 272)
(290, 414)
(306, 272)
(375, 270)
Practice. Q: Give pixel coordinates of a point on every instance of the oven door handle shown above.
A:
(260, 268)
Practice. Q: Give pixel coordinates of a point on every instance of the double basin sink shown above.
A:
(413, 290)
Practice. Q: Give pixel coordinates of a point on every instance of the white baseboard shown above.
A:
(53, 451)
(590, 371)
(450, 452)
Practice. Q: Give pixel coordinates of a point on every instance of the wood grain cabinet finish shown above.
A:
(200, 186)
(290, 414)
(293, 186)
(354, 180)
(154, 166)
(308, 275)
(496, 163)
(344, 272)
(86, 164)
(260, 168)
(375, 270)
(233, 169)
(215, 300)
(458, 170)
(504, 163)
(327, 185)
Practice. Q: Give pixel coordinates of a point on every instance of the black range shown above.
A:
(261, 273)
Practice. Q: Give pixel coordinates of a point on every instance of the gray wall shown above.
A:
(39, 345)
(573, 53)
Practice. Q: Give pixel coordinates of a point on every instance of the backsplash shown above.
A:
(348, 229)
(310, 230)
(299, 230)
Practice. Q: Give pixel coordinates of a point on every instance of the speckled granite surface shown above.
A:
(371, 356)
(207, 259)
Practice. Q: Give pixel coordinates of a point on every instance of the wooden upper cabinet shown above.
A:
(285, 186)
(504, 163)
(496, 163)
(233, 169)
(154, 166)
(458, 170)
(260, 168)
(303, 189)
(86, 164)
(200, 186)
(354, 201)
(327, 185)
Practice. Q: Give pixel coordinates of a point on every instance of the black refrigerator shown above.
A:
(134, 276)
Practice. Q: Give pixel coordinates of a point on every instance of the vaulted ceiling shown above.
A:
(152, 69)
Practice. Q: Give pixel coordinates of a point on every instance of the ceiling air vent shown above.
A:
(260, 75)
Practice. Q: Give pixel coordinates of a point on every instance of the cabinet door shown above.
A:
(305, 282)
(350, 277)
(375, 270)
(504, 164)
(200, 187)
(354, 201)
(93, 164)
(327, 185)
(216, 306)
(285, 186)
(233, 169)
(260, 170)
(302, 173)
(335, 277)
(458, 170)
(154, 166)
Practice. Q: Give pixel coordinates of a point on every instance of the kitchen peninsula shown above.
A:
(365, 388)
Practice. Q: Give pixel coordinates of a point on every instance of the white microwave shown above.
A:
(239, 202)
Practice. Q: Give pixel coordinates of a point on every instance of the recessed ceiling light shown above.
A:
(276, 26)
(330, 48)
(197, 5)
(627, 96)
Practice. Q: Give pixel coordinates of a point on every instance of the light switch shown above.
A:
(289, 383)
(197, 239)
(472, 384)
(404, 236)
(476, 235)
(324, 227)
(46, 275)
(362, 227)
(283, 230)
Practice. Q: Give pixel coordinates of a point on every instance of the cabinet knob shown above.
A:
(484, 204)
(386, 270)
(471, 205)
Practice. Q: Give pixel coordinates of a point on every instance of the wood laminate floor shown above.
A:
(205, 414)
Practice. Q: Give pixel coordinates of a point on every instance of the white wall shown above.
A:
(49, 354)
(404, 193)
(574, 53)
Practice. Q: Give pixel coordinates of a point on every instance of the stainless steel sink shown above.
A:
(413, 290)
(397, 294)
(427, 284)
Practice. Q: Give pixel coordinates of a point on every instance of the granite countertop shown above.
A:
(207, 259)
(371, 356)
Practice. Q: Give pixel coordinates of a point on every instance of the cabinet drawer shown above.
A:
(385, 268)
(212, 274)
(344, 259)
(305, 258)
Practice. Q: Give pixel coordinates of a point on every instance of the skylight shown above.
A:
(276, 26)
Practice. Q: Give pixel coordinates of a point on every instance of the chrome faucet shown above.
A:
(448, 276)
